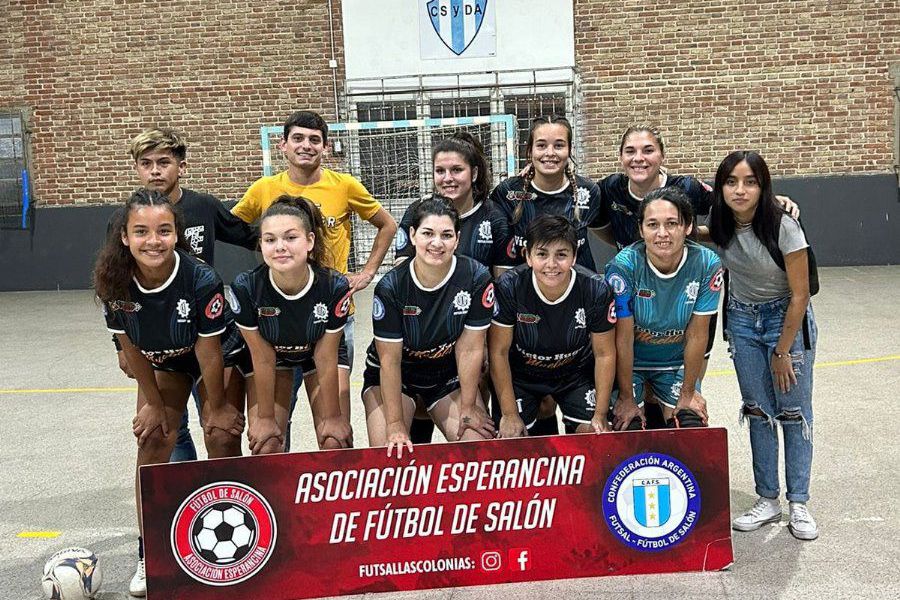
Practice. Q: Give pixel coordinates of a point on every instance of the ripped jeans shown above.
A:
(753, 331)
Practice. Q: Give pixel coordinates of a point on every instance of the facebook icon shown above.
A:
(519, 559)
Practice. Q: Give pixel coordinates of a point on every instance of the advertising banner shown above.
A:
(304, 525)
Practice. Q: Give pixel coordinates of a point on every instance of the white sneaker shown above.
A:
(766, 510)
(802, 525)
(138, 585)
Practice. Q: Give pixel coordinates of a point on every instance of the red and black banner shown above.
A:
(292, 526)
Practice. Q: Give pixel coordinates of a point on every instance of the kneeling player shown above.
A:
(292, 309)
(429, 317)
(667, 289)
(168, 312)
(552, 334)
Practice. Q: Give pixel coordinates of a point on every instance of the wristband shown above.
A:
(780, 354)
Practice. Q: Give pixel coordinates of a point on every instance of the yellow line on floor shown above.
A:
(354, 385)
(38, 534)
(820, 365)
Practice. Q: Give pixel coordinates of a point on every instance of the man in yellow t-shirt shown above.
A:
(304, 142)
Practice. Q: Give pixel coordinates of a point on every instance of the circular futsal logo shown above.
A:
(651, 502)
(223, 533)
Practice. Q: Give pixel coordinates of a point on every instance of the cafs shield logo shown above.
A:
(456, 22)
(652, 502)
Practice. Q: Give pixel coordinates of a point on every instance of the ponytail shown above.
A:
(312, 219)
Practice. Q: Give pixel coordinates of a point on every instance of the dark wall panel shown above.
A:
(851, 220)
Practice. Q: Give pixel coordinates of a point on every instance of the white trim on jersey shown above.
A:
(341, 328)
(546, 193)
(711, 312)
(561, 298)
(164, 285)
(219, 332)
(473, 328)
(122, 331)
(499, 324)
(392, 340)
(471, 211)
(299, 294)
(665, 178)
(684, 257)
(245, 327)
(412, 272)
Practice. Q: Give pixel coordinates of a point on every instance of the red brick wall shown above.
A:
(805, 82)
(95, 74)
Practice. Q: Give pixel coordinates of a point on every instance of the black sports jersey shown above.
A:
(483, 234)
(206, 220)
(292, 324)
(586, 198)
(165, 322)
(429, 321)
(620, 207)
(552, 339)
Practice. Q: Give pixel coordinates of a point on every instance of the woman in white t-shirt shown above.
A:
(773, 349)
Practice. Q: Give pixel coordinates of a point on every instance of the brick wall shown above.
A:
(95, 74)
(806, 82)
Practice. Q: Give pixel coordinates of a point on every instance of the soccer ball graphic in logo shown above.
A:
(71, 574)
(224, 533)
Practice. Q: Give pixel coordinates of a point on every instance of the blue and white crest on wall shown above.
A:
(456, 22)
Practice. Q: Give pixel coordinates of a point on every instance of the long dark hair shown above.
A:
(766, 219)
(470, 148)
(529, 174)
(311, 218)
(115, 265)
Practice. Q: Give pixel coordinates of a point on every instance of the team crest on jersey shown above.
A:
(484, 233)
(223, 533)
(268, 311)
(215, 307)
(194, 237)
(651, 502)
(461, 302)
(582, 198)
(617, 283)
(411, 311)
(527, 318)
(590, 398)
(400, 240)
(343, 306)
(645, 293)
(125, 306)
(377, 308)
(320, 313)
(691, 290)
(517, 196)
(580, 319)
(511, 248)
(456, 23)
(183, 308)
(487, 298)
(717, 281)
(232, 301)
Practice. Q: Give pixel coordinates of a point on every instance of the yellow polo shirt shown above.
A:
(336, 195)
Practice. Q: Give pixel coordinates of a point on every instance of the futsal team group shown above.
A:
(494, 317)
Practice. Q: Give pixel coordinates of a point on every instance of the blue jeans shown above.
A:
(184, 449)
(298, 380)
(753, 331)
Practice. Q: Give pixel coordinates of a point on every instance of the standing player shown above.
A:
(168, 312)
(336, 195)
(772, 332)
(461, 174)
(552, 335)
(667, 289)
(291, 310)
(429, 317)
(160, 162)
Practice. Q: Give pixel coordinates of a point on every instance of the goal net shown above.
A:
(393, 160)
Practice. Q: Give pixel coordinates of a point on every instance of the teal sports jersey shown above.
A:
(662, 305)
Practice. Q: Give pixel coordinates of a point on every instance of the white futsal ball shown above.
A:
(72, 574)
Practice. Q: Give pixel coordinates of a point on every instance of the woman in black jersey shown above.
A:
(461, 174)
(171, 319)
(288, 309)
(549, 186)
(553, 335)
(429, 318)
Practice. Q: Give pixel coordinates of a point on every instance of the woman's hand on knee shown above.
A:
(334, 430)
(149, 421)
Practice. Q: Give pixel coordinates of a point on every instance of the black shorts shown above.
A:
(188, 364)
(303, 361)
(574, 394)
(428, 395)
